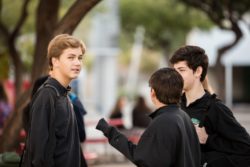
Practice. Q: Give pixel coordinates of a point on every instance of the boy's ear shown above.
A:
(198, 71)
(54, 62)
(152, 93)
(153, 96)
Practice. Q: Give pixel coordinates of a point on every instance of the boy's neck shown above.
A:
(196, 92)
(158, 104)
(65, 83)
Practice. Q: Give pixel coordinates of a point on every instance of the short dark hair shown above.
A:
(194, 56)
(167, 84)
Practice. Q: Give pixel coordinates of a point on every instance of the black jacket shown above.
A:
(52, 139)
(169, 141)
(225, 134)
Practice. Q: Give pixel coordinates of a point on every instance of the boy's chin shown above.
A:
(74, 76)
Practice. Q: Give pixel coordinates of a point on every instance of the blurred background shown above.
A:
(126, 41)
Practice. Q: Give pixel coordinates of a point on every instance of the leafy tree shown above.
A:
(166, 22)
(49, 20)
(225, 14)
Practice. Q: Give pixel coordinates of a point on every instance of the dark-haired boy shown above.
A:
(170, 139)
(224, 142)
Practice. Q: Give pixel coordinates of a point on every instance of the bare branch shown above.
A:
(4, 31)
(238, 35)
(213, 9)
(74, 15)
(23, 16)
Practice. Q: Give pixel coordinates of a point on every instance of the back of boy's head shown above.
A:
(167, 84)
(61, 42)
(194, 57)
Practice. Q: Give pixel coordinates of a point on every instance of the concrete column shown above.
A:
(229, 85)
(104, 45)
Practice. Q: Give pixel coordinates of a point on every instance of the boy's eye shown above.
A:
(181, 70)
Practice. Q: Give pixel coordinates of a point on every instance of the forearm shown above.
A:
(117, 139)
(122, 144)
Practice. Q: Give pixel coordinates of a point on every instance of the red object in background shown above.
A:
(22, 134)
(26, 85)
(9, 87)
(10, 91)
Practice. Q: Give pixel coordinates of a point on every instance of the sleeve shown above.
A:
(229, 135)
(40, 128)
(117, 139)
(121, 143)
(149, 151)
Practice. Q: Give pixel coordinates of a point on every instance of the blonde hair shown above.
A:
(61, 42)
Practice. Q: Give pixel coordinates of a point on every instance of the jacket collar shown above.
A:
(201, 100)
(61, 89)
(164, 109)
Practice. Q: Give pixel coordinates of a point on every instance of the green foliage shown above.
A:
(9, 13)
(220, 11)
(29, 26)
(150, 61)
(166, 21)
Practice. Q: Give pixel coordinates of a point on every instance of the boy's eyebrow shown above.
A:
(181, 67)
(72, 54)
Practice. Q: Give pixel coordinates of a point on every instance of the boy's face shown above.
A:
(69, 63)
(187, 74)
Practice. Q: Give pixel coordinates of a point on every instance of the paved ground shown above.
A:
(111, 158)
(242, 114)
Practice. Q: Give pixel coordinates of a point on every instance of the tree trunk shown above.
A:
(18, 68)
(46, 21)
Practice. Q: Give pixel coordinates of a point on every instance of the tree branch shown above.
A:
(20, 22)
(238, 35)
(213, 9)
(74, 15)
(4, 31)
